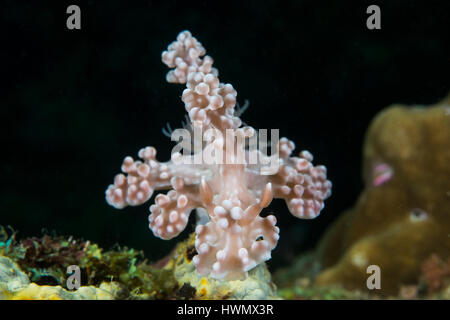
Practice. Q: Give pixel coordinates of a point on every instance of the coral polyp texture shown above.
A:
(232, 189)
(402, 218)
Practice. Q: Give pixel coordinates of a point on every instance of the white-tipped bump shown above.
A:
(144, 185)
(305, 154)
(177, 183)
(118, 193)
(221, 254)
(182, 201)
(173, 216)
(220, 211)
(202, 89)
(223, 223)
(176, 157)
(297, 202)
(161, 199)
(299, 211)
(155, 209)
(119, 179)
(147, 153)
(132, 189)
(203, 248)
(143, 170)
(272, 220)
(227, 204)
(285, 190)
(199, 229)
(216, 266)
(132, 180)
(243, 253)
(298, 190)
(236, 213)
(236, 228)
(210, 238)
(159, 221)
(163, 175)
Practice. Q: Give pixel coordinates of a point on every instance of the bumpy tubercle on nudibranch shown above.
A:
(236, 238)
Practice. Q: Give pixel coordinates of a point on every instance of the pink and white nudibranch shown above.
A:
(236, 238)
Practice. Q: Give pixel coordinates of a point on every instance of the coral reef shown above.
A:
(45, 259)
(403, 215)
(436, 273)
(15, 285)
(230, 178)
(12, 279)
(114, 274)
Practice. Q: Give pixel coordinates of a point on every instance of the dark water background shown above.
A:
(75, 103)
